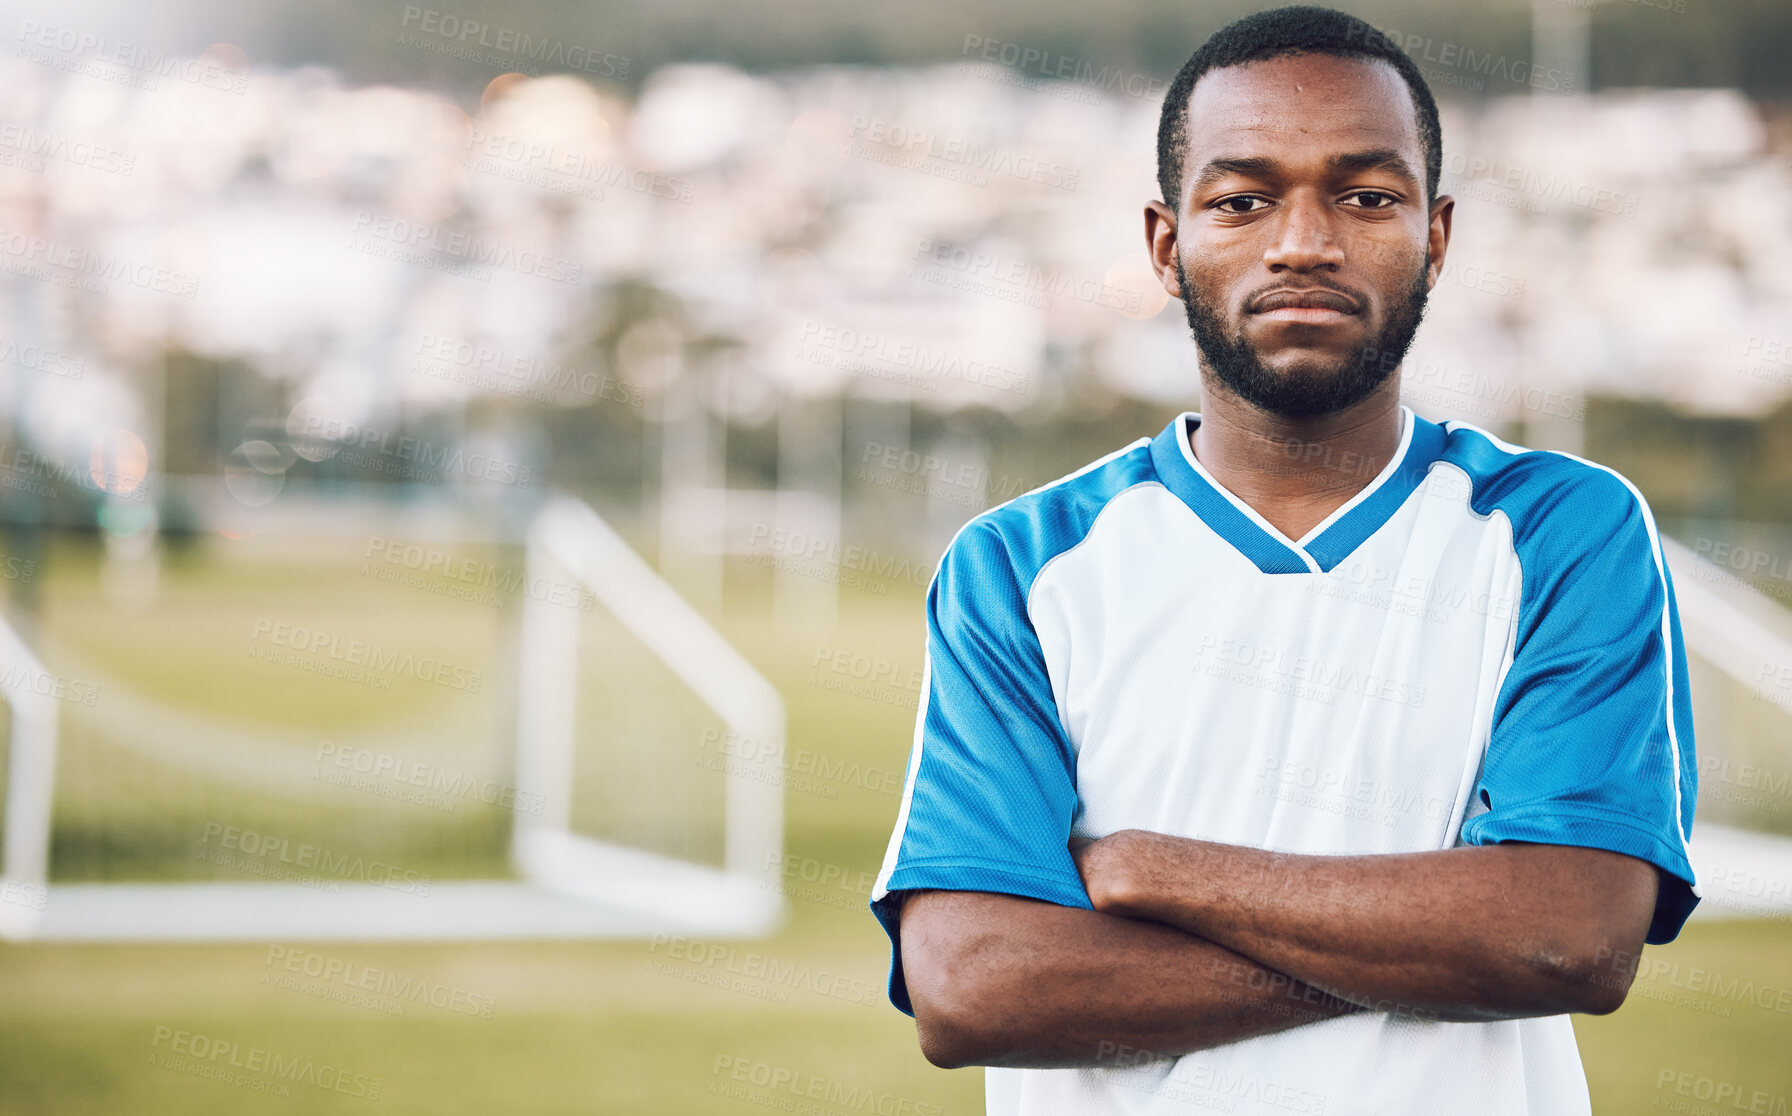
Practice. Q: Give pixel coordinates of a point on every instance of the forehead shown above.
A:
(1298, 106)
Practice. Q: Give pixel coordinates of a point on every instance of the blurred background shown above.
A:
(469, 476)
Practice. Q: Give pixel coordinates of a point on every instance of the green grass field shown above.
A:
(573, 1027)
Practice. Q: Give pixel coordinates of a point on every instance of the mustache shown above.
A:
(1314, 292)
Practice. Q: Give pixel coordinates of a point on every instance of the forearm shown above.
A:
(1505, 931)
(1003, 981)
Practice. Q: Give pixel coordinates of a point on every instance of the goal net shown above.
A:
(399, 732)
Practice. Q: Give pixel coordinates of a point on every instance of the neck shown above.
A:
(1295, 471)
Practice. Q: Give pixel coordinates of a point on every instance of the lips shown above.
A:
(1303, 298)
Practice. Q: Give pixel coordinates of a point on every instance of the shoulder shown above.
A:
(1579, 529)
(1545, 494)
(1017, 538)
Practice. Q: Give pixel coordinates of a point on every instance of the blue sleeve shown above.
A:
(1592, 740)
(991, 786)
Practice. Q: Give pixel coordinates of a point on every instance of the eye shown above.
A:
(1227, 205)
(1373, 199)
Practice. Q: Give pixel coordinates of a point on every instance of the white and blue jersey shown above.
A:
(1481, 646)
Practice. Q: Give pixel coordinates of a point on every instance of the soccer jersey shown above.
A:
(1481, 646)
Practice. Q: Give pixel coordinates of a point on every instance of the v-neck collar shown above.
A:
(1330, 541)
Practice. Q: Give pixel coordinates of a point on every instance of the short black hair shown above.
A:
(1277, 33)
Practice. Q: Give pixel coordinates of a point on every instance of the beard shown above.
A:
(1307, 394)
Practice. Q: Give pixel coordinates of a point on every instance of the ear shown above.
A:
(1160, 244)
(1442, 210)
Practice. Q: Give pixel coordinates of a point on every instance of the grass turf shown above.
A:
(578, 1026)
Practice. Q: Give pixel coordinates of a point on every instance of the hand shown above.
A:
(1080, 852)
(1109, 868)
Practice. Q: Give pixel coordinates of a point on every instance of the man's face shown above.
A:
(1304, 247)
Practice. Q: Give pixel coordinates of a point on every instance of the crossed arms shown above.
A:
(1193, 944)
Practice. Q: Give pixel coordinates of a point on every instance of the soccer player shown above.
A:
(1308, 756)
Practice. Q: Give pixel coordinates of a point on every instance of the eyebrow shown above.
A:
(1352, 162)
(1379, 158)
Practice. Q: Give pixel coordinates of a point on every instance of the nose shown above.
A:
(1303, 240)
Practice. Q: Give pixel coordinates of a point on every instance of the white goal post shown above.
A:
(569, 538)
(567, 885)
(30, 785)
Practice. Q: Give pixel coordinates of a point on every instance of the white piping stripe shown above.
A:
(881, 887)
(1406, 432)
(1667, 642)
(1188, 455)
(1407, 425)
(1471, 768)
